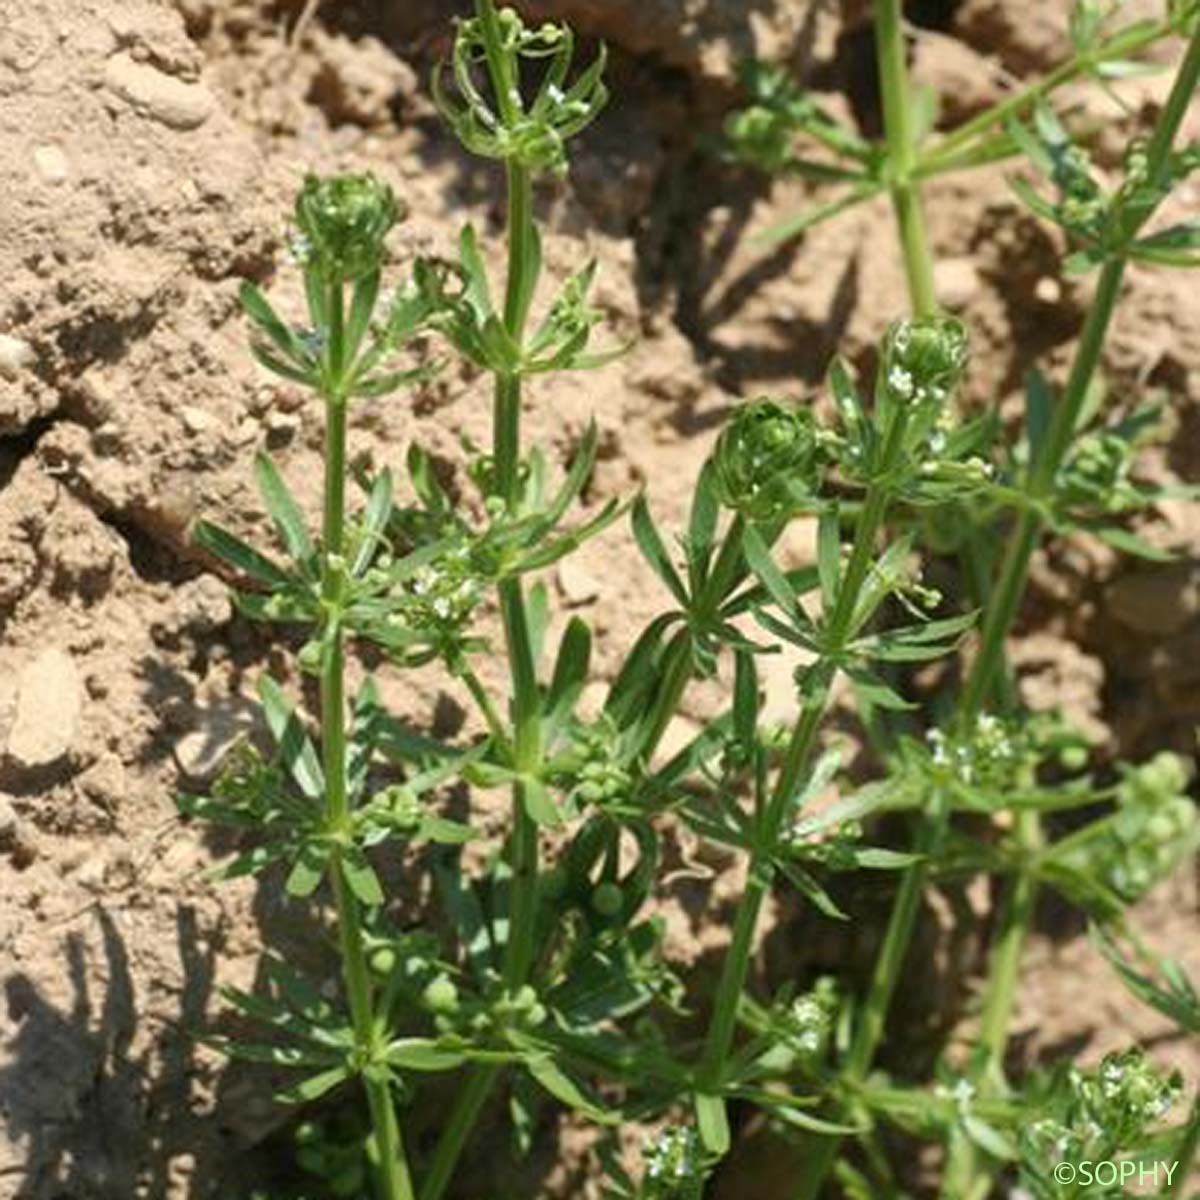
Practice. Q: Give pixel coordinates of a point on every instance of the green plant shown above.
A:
(545, 976)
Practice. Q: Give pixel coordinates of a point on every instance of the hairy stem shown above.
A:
(393, 1174)
(526, 697)
(891, 54)
(736, 966)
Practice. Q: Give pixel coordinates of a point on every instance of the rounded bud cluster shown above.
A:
(1126, 1095)
(767, 463)
(1156, 818)
(924, 359)
(808, 1022)
(343, 221)
(399, 807)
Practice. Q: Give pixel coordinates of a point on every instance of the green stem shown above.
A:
(1005, 961)
(1185, 1156)
(520, 949)
(393, 1174)
(1122, 45)
(891, 53)
(463, 1117)
(484, 703)
(1016, 916)
(736, 966)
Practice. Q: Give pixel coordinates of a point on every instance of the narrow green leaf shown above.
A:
(1039, 404)
(635, 680)
(362, 307)
(478, 291)
(989, 1139)
(582, 465)
(390, 381)
(361, 877)
(444, 832)
(829, 556)
(777, 585)
(314, 1087)
(308, 870)
(1129, 542)
(422, 1054)
(295, 747)
(745, 699)
(712, 1121)
(795, 226)
(655, 553)
(812, 891)
(563, 1088)
(283, 510)
(537, 620)
(258, 308)
(702, 525)
(874, 691)
(570, 671)
(375, 521)
(238, 554)
(306, 377)
(539, 804)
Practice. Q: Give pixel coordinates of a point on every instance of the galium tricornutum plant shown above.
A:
(542, 973)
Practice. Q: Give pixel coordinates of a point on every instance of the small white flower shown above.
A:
(900, 381)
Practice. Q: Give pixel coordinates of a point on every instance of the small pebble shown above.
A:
(49, 705)
(957, 283)
(195, 420)
(156, 95)
(52, 164)
(1048, 290)
(576, 583)
(15, 355)
(200, 753)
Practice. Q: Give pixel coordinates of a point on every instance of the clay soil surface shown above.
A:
(148, 153)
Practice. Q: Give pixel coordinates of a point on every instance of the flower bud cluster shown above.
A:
(674, 1165)
(502, 124)
(342, 222)
(923, 362)
(1156, 818)
(762, 134)
(986, 756)
(807, 1023)
(440, 599)
(591, 770)
(1125, 1096)
(1097, 473)
(768, 461)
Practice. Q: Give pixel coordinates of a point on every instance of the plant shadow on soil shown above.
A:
(119, 1137)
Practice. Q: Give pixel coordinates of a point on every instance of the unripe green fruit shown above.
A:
(383, 961)
(307, 1133)
(607, 900)
(441, 996)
